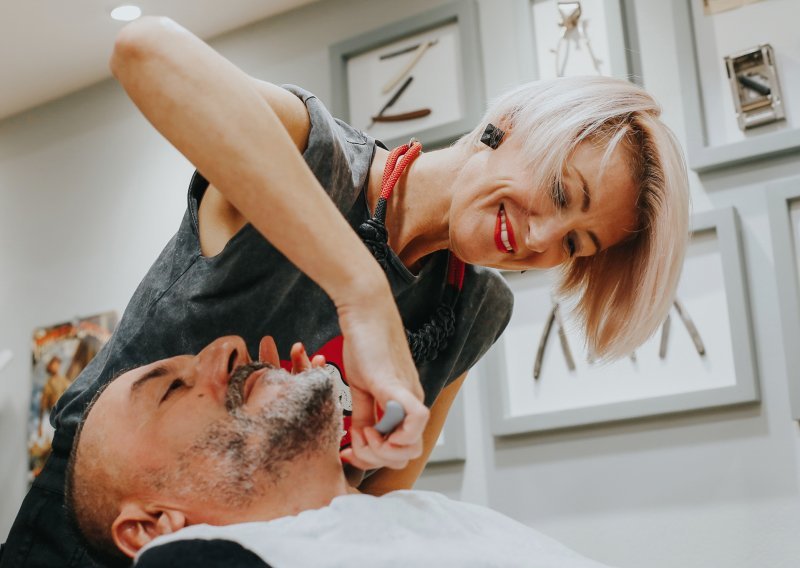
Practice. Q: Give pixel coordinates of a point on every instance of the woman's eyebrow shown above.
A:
(597, 246)
(587, 196)
(156, 373)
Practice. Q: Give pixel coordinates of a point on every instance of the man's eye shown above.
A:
(173, 386)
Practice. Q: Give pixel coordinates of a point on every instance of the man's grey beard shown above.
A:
(243, 454)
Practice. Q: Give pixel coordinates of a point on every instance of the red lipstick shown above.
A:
(504, 233)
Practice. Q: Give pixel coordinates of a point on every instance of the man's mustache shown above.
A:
(234, 397)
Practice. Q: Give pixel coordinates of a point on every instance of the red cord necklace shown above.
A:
(431, 338)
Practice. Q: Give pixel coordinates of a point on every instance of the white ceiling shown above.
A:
(49, 48)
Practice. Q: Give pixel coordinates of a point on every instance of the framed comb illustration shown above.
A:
(419, 77)
(701, 357)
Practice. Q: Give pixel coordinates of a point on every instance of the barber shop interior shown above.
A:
(452, 283)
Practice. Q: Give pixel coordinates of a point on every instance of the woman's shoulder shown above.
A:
(489, 284)
(339, 155)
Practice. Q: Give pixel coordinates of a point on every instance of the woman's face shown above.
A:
(499, 218)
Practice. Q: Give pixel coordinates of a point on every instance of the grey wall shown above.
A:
(90, 193)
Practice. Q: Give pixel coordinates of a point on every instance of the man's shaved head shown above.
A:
(93, 491)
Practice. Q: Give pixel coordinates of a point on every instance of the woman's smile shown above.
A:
(504, 233)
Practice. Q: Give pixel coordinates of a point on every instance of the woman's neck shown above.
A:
(417, 213)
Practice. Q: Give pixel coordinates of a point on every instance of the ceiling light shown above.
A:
(126, 13)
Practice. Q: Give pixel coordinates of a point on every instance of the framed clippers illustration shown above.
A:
(784, 218)
(739, 74)
(702, 356)
(420, 77)
(579, 37)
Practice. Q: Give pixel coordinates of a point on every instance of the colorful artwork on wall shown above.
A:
(60, 352)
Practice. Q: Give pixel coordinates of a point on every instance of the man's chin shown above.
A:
(261, 393)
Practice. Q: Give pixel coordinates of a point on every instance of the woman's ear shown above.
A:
(492, 136)
(136, 525)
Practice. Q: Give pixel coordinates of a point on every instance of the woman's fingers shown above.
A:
(369, 450)
(299, 357)
(268, 351)
(410, 430)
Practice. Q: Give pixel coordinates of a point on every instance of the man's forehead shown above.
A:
(116, 395)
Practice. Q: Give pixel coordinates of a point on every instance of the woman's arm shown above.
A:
(387, 480)
(216, 116)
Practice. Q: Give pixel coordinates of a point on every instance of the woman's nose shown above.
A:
(544, 233)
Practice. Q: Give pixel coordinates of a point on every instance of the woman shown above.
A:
(586, 176)
(578, 173)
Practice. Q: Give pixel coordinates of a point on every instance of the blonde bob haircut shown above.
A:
(622, 294)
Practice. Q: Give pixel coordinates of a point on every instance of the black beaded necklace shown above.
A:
(431, 338)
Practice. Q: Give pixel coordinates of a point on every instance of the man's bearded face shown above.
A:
(240, 455)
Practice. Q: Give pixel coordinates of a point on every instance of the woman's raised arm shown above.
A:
(217, 116)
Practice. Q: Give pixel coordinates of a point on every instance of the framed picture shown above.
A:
(701, 357)
(451, 445)
(784, 216)
(586, 37)
(420, 77)
(705, 35)
(59, 353)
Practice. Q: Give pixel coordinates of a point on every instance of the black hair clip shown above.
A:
(492, 136)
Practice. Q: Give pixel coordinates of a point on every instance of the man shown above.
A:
(214, 460)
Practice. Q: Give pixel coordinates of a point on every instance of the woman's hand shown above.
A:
(379, 369)
(268, 353)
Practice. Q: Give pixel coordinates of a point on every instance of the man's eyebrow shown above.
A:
(159, 371)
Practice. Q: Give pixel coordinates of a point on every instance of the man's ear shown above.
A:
(137, 524)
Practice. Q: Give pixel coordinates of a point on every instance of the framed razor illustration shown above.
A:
(784, 219)
(451, 445)
(701, 357)
(419, 77)
(739, 70)
(578, 37)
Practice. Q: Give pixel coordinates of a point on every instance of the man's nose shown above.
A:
(544, 233)
(218, 359)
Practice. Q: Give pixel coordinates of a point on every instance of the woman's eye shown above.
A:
(570, 245)
(173, 386)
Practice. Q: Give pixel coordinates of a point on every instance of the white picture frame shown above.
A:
(428, 63)
(611, 27)
(783, 199)
(713, 138)
(714, 292)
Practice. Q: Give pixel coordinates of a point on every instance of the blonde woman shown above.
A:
(578, 173)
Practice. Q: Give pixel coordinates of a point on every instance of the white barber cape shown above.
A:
(402, 528)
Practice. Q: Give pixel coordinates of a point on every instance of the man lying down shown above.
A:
(214, 460)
